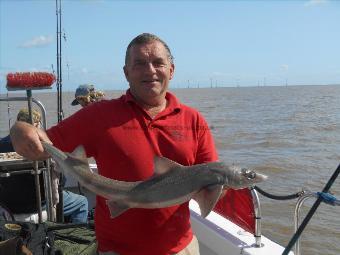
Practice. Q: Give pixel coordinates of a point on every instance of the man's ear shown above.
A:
(172, 71)
(126, 73)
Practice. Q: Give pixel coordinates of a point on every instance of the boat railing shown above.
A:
(257, 208)
(326, 198)
(47, 172)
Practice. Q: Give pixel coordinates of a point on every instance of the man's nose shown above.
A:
(150, 67)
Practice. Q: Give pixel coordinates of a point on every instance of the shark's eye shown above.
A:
(249, 174)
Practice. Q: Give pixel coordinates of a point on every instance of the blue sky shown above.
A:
(226, 43)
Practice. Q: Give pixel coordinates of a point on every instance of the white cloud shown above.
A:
(38, 41)
(84, 70)
(316, 2)
(284, 67)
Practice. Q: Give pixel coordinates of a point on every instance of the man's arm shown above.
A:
(26, 140)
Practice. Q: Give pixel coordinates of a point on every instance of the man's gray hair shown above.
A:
(146, 38)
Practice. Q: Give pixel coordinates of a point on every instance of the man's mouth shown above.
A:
(150, 81)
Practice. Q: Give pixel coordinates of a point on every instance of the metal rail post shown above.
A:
(258, 215)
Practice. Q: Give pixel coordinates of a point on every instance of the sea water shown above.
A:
(290, 133)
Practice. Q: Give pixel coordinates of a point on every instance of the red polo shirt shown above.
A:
(123, 139)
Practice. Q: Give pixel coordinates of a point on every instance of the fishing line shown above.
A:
(311, 212)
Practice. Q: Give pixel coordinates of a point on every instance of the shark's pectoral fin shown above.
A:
(207, 198)
(116, 207)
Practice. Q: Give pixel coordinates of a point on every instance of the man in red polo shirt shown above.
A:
(124, 135)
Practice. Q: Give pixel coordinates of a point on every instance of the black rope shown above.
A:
(311, 212)
(278, 197)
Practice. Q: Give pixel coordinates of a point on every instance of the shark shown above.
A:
(171, 184)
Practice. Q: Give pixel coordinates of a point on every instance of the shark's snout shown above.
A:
(249, 174)
(252, 175)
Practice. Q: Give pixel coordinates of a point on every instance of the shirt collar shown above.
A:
(173, 103)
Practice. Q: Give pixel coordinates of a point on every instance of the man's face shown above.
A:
(148, 71)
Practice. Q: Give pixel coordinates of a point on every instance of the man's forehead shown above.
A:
(153, 48)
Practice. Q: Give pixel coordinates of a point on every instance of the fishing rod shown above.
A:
(311, 212)
(60, 211)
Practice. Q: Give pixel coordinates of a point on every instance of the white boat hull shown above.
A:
(219, 236)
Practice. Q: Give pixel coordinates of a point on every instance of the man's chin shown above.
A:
(154, 92)
(152, 88)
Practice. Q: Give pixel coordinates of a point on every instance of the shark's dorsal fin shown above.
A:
(163, 165)
(79, 152)
(207, 198)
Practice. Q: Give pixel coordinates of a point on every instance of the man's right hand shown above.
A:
(26, 141)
